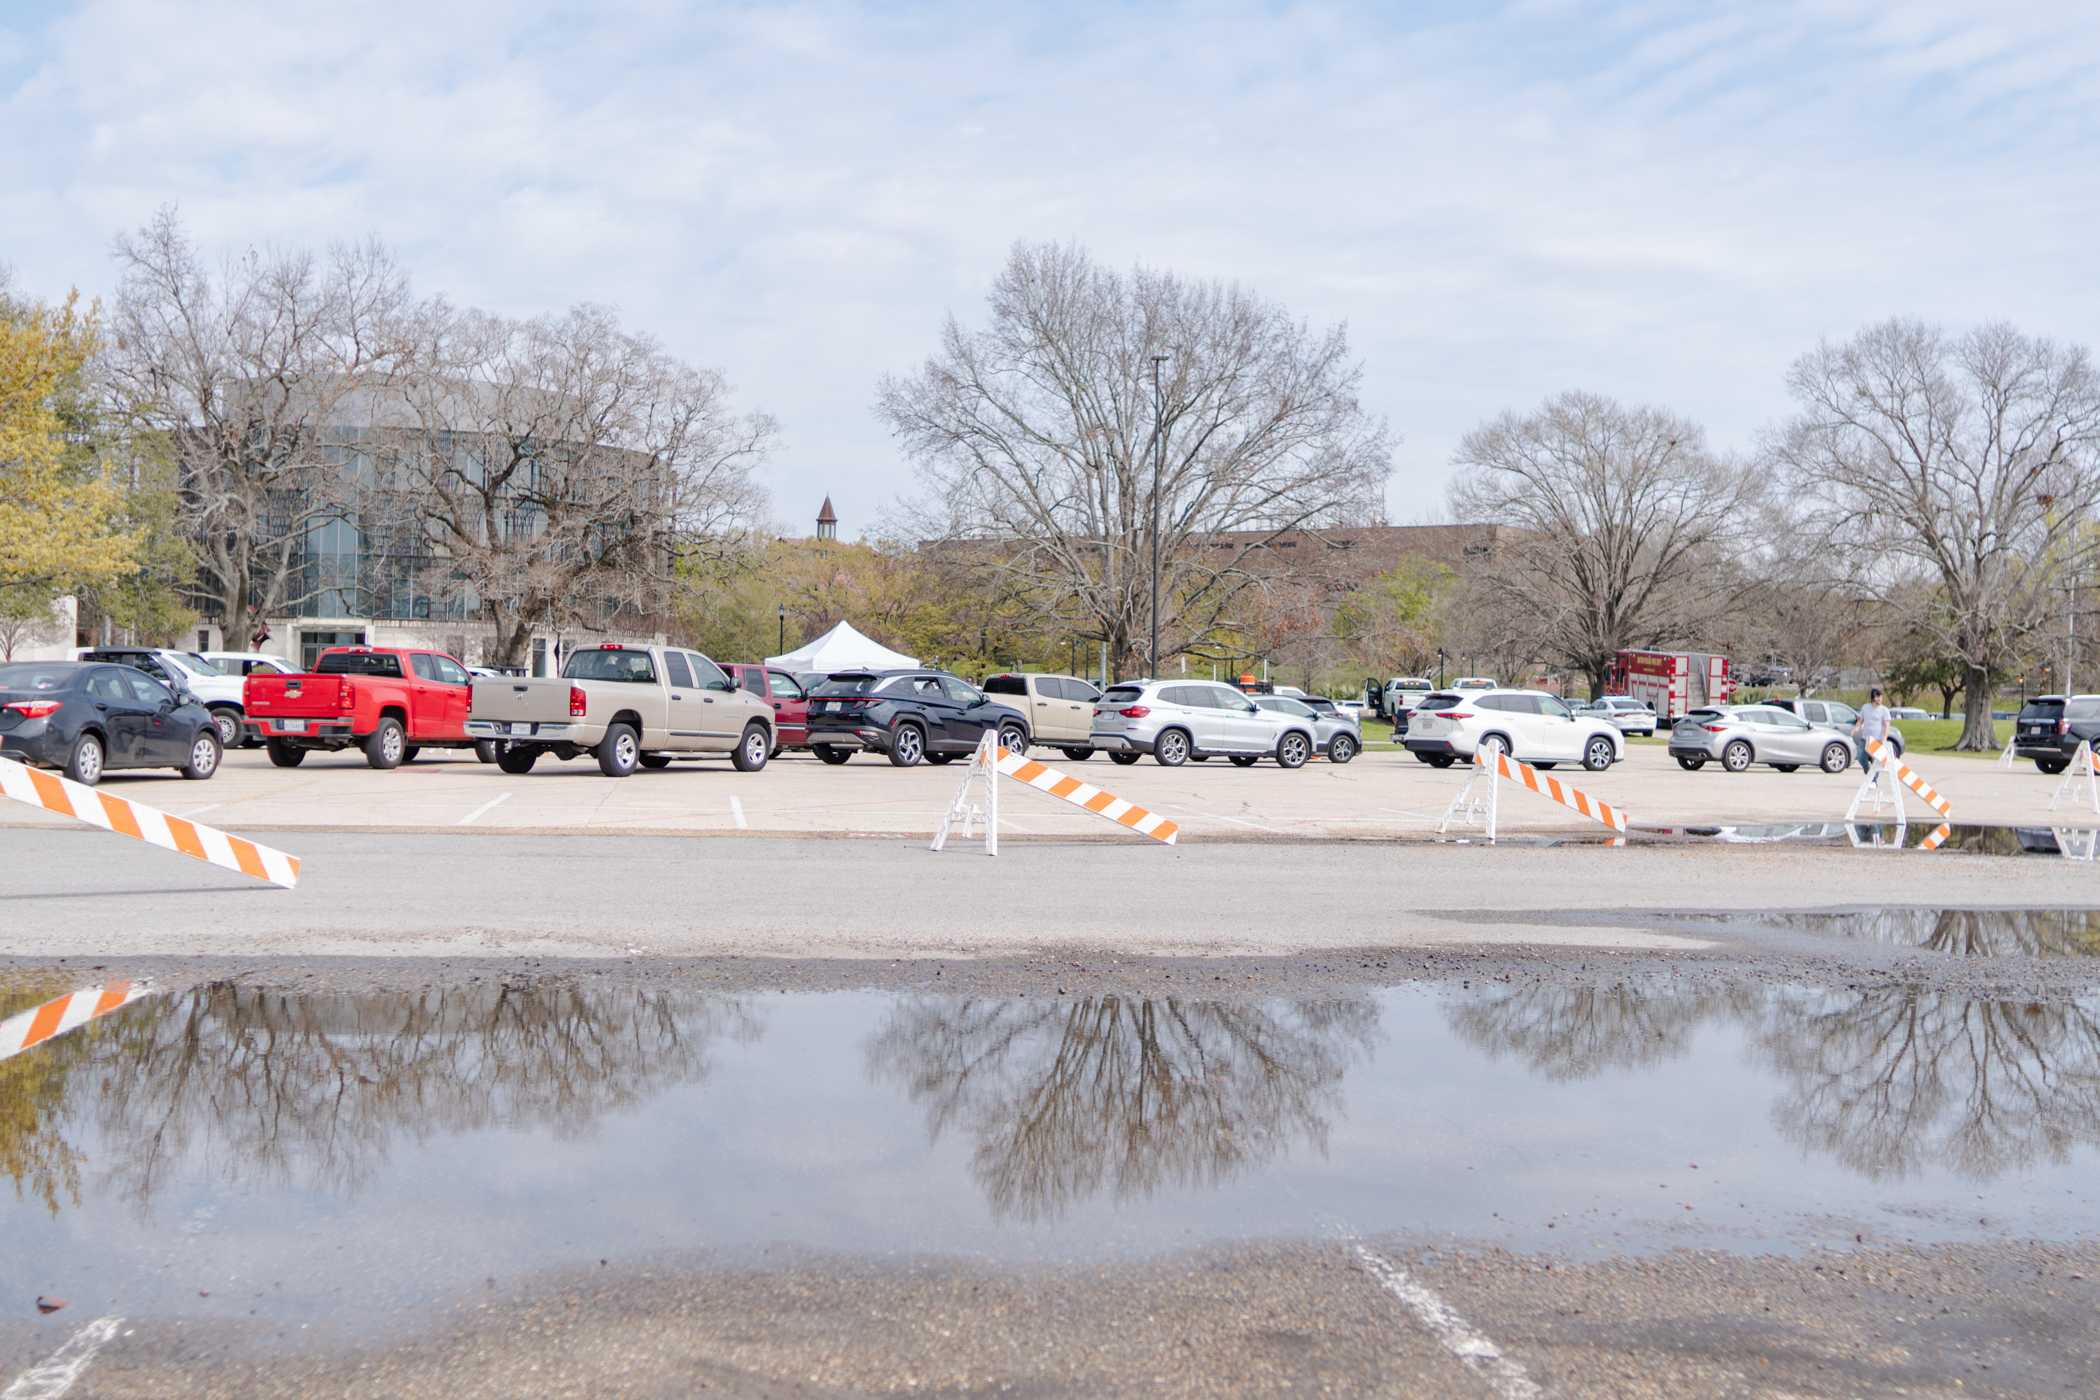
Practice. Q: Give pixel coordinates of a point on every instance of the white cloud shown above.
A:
(1648, 200)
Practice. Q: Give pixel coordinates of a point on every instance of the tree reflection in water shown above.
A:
(261, 1087)
(1068, 1098)
(1963, 933)
(1886, 1080)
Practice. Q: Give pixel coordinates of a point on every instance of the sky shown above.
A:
(1666, 201)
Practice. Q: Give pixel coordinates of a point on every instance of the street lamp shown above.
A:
(1159, 471)
(1439, 668)
(783, 631)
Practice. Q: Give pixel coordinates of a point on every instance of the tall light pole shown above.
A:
(783, 631)
(1159, 471)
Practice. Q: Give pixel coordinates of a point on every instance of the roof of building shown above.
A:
(827, 516)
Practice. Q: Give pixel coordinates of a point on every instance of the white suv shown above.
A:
(1527, 724)
(1176, 721)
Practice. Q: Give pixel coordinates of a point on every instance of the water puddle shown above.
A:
(336, 1161)
(2075, 843)
(1960, 933)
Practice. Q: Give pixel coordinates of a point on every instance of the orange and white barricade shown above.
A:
(978, 798)
(1479, 802)
(1880, 794)
(31, 1028)
(125, 817)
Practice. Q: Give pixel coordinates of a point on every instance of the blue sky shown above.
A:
(1662, 201)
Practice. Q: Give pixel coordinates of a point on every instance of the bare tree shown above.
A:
(1802, 608)
(1042, 443)
(1974, 457)
(1619, 519)
(561, 470)
(241, 376)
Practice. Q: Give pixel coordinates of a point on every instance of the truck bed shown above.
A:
(512, 700)
(298, 695)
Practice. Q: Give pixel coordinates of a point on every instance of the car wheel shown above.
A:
(1836, 758)
(1293, 749)
(1014, 739)
(830, 754)
(1341, 749)
(1420, 757)
(84, 763)
(907, 746)
(386, 745)
(485, 750)
(655, 760)
(1690, 763)
(1077, 755)
(1171, 749)
(1121, 759)
(2051, 766)
(938, 759)
(1736, 755)
(1494, 744)
(752, 750)
(228, 723)
(285, 755)
(1439, 760)
(1243, 760)
(205, 752)
(619, 751)
(515, 758)
(1599, 754)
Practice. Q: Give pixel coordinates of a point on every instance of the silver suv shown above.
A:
(1176, 721)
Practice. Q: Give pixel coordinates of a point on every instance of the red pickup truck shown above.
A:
(779, 689)
(389, 701)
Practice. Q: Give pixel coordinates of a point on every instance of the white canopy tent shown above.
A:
(843, 648)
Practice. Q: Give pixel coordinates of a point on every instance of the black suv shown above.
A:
(2050, 728)
(909, 715)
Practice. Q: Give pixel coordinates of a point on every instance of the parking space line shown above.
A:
(483, 810)
(62, 1370)
(200, 811)
(1457, 1336)
(1242, 821)
(736, 811)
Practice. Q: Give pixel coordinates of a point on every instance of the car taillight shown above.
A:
(1135, 711)
(1713, 728)
(1454, 714)
(2063, 726)
(345, 697)
(35, 709)
(577, 700)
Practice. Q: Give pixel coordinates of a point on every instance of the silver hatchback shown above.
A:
(1736, 736)
(1176, 721)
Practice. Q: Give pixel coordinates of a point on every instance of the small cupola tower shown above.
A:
(827, 522)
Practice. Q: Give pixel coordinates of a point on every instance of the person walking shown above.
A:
(1872, 725)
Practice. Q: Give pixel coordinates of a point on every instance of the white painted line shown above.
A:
(200, 811)
(1480, 1355)
(736, 810)
(1242, 821)
(58, 1374)
(483, 810)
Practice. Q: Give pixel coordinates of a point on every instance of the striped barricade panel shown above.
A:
(1553, 789)
(54, 1018)
(1936, 837)
(1107, 805)
(1905, 775)
(125, 817)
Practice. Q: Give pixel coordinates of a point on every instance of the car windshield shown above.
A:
(1121, 694)
(1006, 685)
(847, 683)
(610, 664)
(29, 675)
(2051, 708)
(1438, 702)
(359, 663)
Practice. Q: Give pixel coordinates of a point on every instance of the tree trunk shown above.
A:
(1978, 734)
(1947, 694)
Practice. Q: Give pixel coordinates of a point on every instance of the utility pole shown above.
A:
(1159, 471)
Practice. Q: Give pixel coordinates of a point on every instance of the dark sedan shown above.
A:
(86, 718)
(912, 716)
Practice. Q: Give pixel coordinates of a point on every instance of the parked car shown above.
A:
(2050, 728)
(1352, 708)
(913, 716)
(1629, 714)
(1176, 721)
(781, 690)
(1737, 736)
(1909, 712)
(392, 702)
(1530, 725)
(86, 718)
(1476, 683)
(1833, 714)
(1333, 735)
(1405, 692)
(186, 671)
(246, 663)
(628, 707)
(1404, 716)
(1060, 709)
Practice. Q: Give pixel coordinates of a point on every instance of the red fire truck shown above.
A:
(1672, 682)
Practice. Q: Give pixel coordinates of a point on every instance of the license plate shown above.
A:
(520, 728)
(292, 726)
(824, 705)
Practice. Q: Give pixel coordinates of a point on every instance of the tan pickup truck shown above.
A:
(626, 706)
(1060, 709)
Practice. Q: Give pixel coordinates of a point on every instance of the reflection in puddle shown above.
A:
(351, 1148)
(1961, 933)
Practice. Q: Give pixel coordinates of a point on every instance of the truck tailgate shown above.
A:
(506, 700)
(297, 695)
